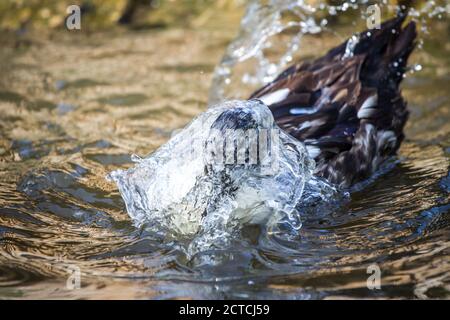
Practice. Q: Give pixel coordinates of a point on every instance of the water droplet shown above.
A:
(350, 47)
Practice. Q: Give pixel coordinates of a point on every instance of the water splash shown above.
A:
(262, 21)
(190, 189)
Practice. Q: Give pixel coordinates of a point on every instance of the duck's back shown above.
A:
(346, 106)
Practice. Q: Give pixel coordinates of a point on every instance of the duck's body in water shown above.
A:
(345, 107)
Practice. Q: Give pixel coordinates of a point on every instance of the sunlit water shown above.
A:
(74, 107)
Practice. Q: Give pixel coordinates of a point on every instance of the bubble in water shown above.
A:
(261, 22)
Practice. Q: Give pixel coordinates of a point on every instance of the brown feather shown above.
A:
(349, 108)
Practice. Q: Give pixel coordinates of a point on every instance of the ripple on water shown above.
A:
(57, 211)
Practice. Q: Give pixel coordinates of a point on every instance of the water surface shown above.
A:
(73, 107)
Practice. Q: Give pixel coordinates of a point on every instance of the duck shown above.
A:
(347, 106)
(337, 119)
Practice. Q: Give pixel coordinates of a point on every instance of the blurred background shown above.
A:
(17, 14)
(97, 14)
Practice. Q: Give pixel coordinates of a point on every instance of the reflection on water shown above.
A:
(73, 107)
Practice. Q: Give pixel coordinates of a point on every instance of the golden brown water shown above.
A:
(74, 106)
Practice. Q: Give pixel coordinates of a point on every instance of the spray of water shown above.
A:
(213, 177)
(265, 20)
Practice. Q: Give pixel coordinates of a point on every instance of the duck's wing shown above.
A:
(346, 106)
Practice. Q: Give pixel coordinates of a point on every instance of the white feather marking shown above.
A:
(275, 97)
(313, 151)
(306, 110)
(311, 124)
(386, 138)
(304, 125)
(367, 107)
(317, 123)
(365, 113)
